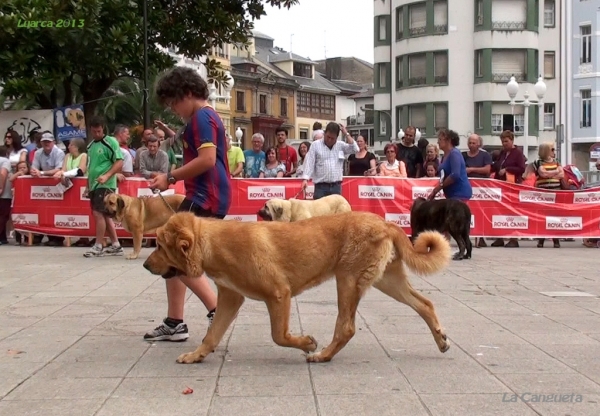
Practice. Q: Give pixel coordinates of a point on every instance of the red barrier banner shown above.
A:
(499, 209)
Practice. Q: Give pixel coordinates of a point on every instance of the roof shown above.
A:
(261, 35)
(269, 56)
(364, 94)
(347, 86)
(349, 58)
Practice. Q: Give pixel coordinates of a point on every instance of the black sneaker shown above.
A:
(164, 332)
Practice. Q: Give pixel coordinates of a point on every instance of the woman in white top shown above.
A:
(16, 152)
(273, 168)
(302, 151)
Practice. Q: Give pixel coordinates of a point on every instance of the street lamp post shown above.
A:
(227, 85)
(238, 135)
(540, 90)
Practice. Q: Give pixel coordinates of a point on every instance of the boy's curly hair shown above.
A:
(178, 82)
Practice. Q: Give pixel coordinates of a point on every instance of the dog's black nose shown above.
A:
(146, 266)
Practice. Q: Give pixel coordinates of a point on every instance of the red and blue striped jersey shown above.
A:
(212, 189)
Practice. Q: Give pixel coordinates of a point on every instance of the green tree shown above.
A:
(103, 42)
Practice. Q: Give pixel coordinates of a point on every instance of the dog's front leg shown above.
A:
(279, 311)
(138, 235)
(228, 305)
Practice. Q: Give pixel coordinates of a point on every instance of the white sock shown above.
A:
(116, 244)
(98, 246)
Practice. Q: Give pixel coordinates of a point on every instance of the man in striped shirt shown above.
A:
(324, 162)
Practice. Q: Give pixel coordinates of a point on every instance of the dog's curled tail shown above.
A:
(430, 254)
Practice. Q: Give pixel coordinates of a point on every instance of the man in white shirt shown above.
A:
(324, 162)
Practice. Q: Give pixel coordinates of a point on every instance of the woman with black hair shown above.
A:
(16, 152)
(452, 170)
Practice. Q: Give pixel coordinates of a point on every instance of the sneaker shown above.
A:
(164, 332)
(210, 316)
(95, 251)
(113, 251)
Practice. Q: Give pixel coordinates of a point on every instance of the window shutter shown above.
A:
(417, 65)
(418, 117)
(508, 63)
(382, 28)
(418, 16)
(441, 64)
(549, 65)
(441, 116)
(440, 13)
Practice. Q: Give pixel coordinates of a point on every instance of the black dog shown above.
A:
(445, 216)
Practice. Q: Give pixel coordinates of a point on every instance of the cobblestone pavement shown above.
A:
(71, 343)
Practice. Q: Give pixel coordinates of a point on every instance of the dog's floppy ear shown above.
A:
(120, 204)
(277, 211)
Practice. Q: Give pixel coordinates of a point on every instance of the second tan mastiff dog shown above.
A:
(141, 216)
(359, 248)
(300, 209)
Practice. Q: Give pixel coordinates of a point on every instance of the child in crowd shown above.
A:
(431, 170)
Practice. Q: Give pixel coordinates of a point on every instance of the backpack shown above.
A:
(573, 177)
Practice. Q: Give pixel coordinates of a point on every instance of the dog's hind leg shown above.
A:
(395, 284)
(467, 239)
(229, 303)
(461, 245)
(279, 312)
(349, 292)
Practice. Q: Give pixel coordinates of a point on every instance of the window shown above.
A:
(586, 44)
(586, 108)
(440, 67)
(417, 69)
(549, 60)
(399, 72)
(240, 101)
(440, 116)
(479, 6)
(549, 7)
(223, 50)
(506, 63)
(399, 23)
(382, 76)
(262, 104)
(382, 124)
(549, 114)
(478, 64)
(302, 70)
(440, 16)
(316, 105)
(514, 123)
(478, 116)
(417, 117)
(303, 134)
(382, 28)
(418, 19)
(283, 107)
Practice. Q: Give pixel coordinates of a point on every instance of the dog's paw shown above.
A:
(131, 256)
(317, 358)
(311, 345)
(442, 340)
(189, 358)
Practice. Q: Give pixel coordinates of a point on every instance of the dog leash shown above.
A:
(156, 191)
(301, 191)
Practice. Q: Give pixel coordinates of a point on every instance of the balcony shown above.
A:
(505, 76)
(509, 25)
(585, 69)
(360, 119)
(417, 31)
(416, 81)
(442, 28)
(441, 79)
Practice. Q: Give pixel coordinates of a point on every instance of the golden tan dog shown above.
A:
(76, 118)
(299, 209)
(361, 249)
(141, 216)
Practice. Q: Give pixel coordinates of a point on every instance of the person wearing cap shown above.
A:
(48, 159)
(46, 162)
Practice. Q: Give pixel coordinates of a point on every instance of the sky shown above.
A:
(322, 28)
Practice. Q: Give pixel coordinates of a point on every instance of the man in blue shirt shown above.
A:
(255, 157)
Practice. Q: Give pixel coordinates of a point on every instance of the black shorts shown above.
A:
(97, 198)
(197, 210)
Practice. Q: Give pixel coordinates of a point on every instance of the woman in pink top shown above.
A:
(392, 167)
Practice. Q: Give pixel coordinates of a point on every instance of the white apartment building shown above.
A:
(441, 67)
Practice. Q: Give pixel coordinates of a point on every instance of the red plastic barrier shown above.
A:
(499, 209)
